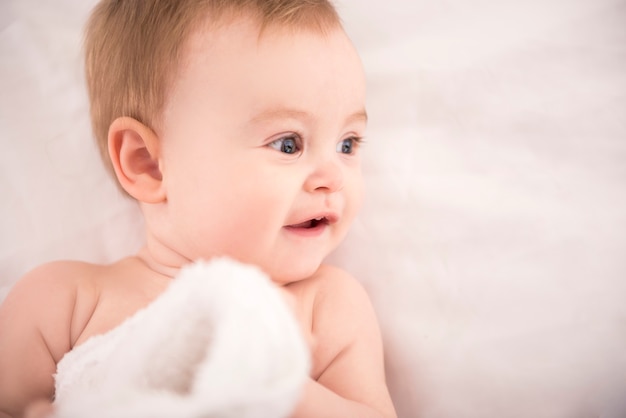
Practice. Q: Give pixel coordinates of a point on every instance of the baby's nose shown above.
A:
(327, 177)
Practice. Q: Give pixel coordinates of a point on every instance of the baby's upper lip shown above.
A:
(328, 217)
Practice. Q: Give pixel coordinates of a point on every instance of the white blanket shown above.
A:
(219, 342)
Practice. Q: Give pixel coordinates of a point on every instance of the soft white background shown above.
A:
(493, 238)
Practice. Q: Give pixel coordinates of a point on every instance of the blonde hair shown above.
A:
(133, 49)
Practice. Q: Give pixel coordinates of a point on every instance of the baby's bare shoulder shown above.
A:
(348, 355)
(36, 323)
(342, 311)
(335, 286)
(50, 298)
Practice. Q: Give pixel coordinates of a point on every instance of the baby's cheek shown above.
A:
(358, 190)
(356, 195)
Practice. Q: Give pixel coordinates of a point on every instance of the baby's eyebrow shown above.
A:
(288, 113)
(360, 116)
(280, 113)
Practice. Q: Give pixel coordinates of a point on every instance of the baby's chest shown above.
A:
(107, 311)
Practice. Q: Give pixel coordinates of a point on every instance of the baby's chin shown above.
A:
(284, 275)
(284, 270)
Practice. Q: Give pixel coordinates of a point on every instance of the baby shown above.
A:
(235, 125)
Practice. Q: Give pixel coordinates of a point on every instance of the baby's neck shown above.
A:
(165, 266)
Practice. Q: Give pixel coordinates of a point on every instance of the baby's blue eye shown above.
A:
(287, 144)
(348, 145)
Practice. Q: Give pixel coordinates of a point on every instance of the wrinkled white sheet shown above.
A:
(493, 238)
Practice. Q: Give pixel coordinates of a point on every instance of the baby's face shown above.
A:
(260, 147)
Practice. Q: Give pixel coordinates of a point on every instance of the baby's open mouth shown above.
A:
(311, 223)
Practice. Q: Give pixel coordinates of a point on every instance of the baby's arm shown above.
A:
(346, 332)
(35, 321)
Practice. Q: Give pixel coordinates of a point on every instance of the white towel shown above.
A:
(219, 342)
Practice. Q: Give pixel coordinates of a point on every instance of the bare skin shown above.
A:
(75, 301)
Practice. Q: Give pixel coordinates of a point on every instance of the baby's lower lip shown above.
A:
(307, 232)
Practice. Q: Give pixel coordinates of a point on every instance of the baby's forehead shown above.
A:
(263, 21)
(241, 68)
(212, 38)
(221, 27)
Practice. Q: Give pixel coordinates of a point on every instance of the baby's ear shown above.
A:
(135, 152)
